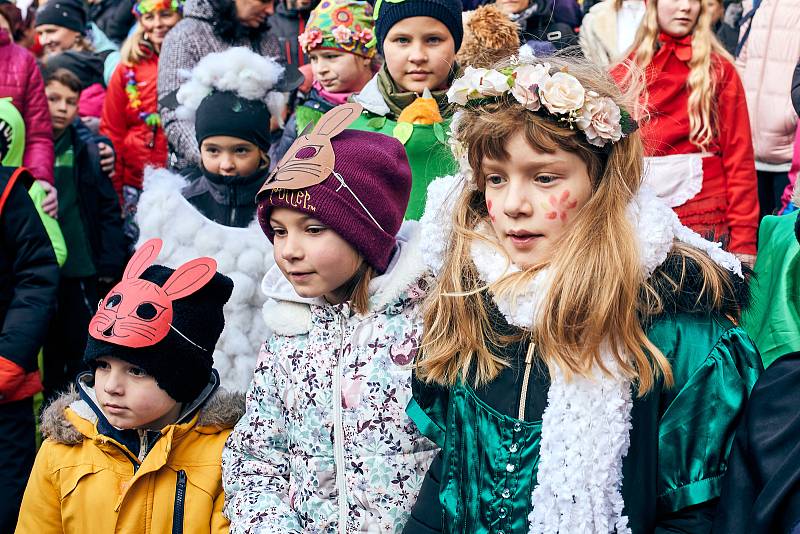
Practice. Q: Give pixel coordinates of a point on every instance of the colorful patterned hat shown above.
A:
(341, 25)
(147, 6)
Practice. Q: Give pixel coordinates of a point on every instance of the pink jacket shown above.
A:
(20, 79)
(766, 65)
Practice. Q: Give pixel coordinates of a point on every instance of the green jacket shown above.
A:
(426, 145)
(773, 320)
(679, 442)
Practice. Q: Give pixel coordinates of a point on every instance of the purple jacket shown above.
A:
(21, 80)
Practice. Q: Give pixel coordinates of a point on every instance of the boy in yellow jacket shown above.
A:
(137, 447)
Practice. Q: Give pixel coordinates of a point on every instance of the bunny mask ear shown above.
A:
(310, 159)
(138, 313)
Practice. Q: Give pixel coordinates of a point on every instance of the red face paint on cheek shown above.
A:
(489, 209)
(551, 215)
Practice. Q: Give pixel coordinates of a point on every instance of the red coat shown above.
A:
(21, 80)
(727, 204)
(137, 144)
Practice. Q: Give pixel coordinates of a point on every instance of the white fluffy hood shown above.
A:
(287, 313)
(238, 70)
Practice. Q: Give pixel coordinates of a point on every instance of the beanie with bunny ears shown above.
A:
(172, 340)
(363, 198)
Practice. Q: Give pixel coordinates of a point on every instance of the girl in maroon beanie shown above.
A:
(325, 443)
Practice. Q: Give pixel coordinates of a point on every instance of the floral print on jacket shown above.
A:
(325, 444)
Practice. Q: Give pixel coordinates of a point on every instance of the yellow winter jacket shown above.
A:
(84, 482)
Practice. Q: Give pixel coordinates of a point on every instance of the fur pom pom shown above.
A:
(238, 70)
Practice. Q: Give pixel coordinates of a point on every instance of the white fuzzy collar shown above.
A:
(586, 424)
(288, 314)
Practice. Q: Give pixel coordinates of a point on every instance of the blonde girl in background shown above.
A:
(581, 366)
(697, 136)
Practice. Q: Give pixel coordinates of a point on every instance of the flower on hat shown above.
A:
(562, 93)
(342, 34)
(600, 120)
(527, 80)
(309, 39)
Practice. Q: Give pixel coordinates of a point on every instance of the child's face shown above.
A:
(533, 198)
(156, 24)
(55, 39)
(340, 72)
(677, 17)
(63, 104)
(314, 258)
(230, 156)
(130, 398)
(419, 53)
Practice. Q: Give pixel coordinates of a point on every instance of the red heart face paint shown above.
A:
(489, 209)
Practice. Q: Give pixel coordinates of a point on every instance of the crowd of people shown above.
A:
(399, 266)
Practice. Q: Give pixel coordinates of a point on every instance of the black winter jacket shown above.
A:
(28, 283)
(100, 211)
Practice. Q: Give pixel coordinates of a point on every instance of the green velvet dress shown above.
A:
(680, 439)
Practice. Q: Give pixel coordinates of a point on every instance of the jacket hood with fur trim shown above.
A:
(286, 313)
(221, 410)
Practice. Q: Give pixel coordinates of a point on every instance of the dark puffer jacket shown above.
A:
(28, 282)
(20, 79)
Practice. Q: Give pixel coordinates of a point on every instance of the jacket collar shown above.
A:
(371, 98)
(227, 190)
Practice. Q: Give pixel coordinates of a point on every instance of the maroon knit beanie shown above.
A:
(375, 167)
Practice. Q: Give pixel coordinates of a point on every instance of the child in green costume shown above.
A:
(12, 147)
(339, 40)
(418, 40)
(581, 366)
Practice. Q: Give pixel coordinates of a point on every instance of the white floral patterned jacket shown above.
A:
(325, 444)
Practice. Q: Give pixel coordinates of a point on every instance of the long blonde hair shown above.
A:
(601, 298)
(702, 69)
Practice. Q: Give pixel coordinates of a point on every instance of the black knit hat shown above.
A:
(226, 113)
(70, 14)
(180, 362)
(448, 12)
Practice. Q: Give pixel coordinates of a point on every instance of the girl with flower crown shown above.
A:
(581, 366)
(697, 139)
(130, 118)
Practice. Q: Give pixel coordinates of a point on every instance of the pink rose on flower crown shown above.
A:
(527, 80)
(342, 34)
(600, 120)
(562, 93)
(310, 39)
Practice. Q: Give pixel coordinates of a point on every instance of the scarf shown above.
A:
(586, 424)
(682, 48)
(334, 98)
(398, 99)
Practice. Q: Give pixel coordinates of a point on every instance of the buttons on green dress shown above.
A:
(513, 448)
(506, 493)
(510, 468)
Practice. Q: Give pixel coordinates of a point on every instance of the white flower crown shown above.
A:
(560, 95)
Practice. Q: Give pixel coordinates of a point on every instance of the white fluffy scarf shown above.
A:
(586, 424)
